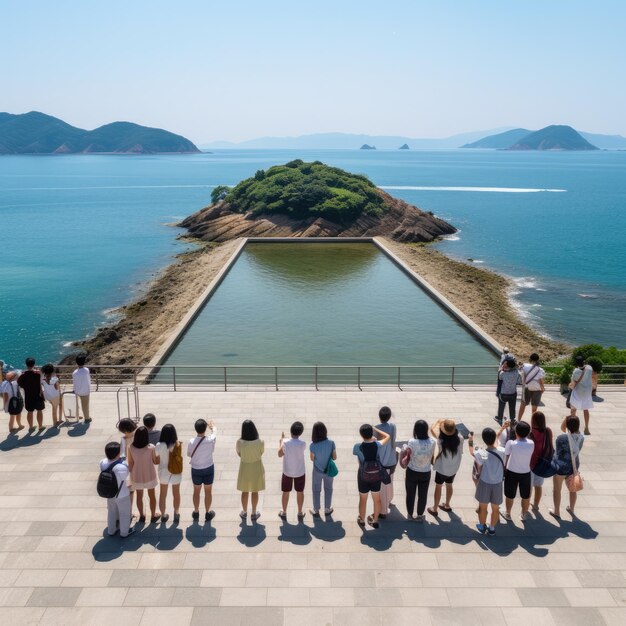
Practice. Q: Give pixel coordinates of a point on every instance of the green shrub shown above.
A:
(566, 375)
(596, 364)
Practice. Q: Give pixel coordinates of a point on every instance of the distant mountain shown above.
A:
(553, 138)
(347, 141)
(37, 133)
(500, 141)
(366, 146)
(404, 146)
(605, 142)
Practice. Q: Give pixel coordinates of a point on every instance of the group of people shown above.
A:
(531, 376)
(514, 461)
(31, 389)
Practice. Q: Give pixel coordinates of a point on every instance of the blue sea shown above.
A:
(81, 235)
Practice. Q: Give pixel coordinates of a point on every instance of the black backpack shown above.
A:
(16, 403)
(107, 482)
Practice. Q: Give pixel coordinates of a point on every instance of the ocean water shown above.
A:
(81, 234)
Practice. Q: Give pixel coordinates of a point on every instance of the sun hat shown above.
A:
(448, 427)
(505, 350)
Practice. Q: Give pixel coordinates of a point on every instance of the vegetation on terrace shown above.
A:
(301, 190)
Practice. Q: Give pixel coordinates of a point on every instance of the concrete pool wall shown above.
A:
(179, 331)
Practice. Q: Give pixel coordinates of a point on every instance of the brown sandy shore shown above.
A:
(146, 323)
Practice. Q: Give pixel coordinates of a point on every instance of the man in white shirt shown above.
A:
(294, 472)
(119, 507)
(532, 379)
(517, 455)
(200, 451)
(81, 380)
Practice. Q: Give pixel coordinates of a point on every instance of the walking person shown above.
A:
(170, 456)
(370, 473)
(322, 450)
(447, 462)
(421, 450)
(251, 477)
(118, 504)
(294, 471)
(543, 451)
(581, 385)
(200, 452)
(571, 441)
(12, 401)
(517, 455)
(52, 392)
(141, 460)
(388, 459)
(532, 378)
(30, 382)
(81, 380)
(490, 466)
(510, 378)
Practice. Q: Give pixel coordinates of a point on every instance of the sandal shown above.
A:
(371, 522)
(445, 507)
(329, 511)
(506, 516)
(359, 521)
(570, 511)
(243, 514)
(314, 513)
(433, 512)
(555, 515)
(282, 514)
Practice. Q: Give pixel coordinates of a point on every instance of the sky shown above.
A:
(236, 70)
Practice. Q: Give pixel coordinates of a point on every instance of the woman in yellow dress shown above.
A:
(251, 477)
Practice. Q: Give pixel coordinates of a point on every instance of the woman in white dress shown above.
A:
(169, 444)
(581, 386)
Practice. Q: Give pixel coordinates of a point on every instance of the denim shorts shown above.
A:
(203, 476)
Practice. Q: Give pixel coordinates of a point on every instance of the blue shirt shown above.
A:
(387, 454)
(323, 451)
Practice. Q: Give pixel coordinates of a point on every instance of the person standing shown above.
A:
(154, 434)
(30, 382)
(322, 450)
(532, 378)
(169, 454)
(517, 455)
(447, 462)
(509, 375)
(10, 389)
(81, 380)
(141, 463)
(571, 441)
(388, 459)
(581, 386)
(490, 462)
(251, 477)
(417, 478)
(118, 507)
(200, 452)
(541, 436)
(52, 392)
(294, 471)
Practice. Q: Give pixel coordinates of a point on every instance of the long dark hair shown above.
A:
(141, 439)
(538, 421)
(319, 432)
(449, 443)
(420, 430)
(249, 431)
(168, 435)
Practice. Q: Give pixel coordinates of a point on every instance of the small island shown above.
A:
(366, 146)
(404, 146)
(553, 137)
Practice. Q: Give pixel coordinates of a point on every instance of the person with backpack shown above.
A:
(200, 452)
(447, 462)
(169, 452)
(532, 381)
(541, 460)
(488, 475)
(417, 459)
(113, 485)
(371, 473)
(141, 463)
(12, 401)
(323, 454)
(30, 382)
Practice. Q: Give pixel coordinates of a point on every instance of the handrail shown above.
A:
(277, 377)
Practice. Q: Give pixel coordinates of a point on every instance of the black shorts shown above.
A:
(287, 483)
(440, 479)
(34, 403)
(511, 482)
(365, 487)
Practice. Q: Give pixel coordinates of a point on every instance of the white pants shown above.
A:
(118, 511)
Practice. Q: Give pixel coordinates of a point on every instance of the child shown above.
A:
(141, 463)
(490, 462)
(51, 392)
(388, 459)
(154, 434)
(200, 452)
(119, 507)
(517, 457)
(292, 452)
(82, 385)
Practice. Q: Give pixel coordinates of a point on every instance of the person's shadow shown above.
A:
(327, 529)
(31, 438)
(251, 535)
(298, 534)
(77, 429)
(199, 535)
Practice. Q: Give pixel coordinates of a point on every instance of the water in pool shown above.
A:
(323, 304)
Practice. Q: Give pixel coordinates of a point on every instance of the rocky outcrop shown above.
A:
(401, 222)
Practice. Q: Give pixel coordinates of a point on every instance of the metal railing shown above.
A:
(276, 377)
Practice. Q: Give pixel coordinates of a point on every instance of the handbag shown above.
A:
(545, 467)
(405, 457)
(331, 468)
(574, 481)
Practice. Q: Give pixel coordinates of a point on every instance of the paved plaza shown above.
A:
(57, 566)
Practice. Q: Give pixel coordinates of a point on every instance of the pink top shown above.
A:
(143, 470)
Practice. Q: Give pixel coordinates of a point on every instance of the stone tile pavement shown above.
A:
(58, 567)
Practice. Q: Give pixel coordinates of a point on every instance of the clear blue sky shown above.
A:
(229, 69)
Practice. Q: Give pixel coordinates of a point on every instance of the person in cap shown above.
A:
(447, 461)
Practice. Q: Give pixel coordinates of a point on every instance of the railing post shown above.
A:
(452, 381)
(97, 379)
(358, 378)
(174, 376)
(316, 387)
(276, 377)
(399, 387)
(225, 380)
(134, 378)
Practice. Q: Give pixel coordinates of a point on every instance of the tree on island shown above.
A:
(219, 193)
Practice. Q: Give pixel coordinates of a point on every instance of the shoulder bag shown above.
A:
(405, 457)
(574, 481)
